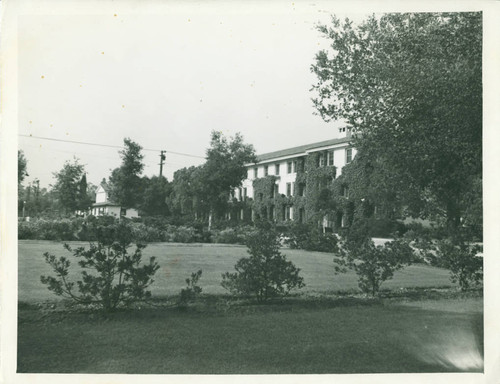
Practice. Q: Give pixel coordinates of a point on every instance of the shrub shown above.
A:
(310, 238)
(373, 264)
(182, 234)
(147, 234)
(116, 277)
(235, 235)
(463, 261)
(191, 292)
(57, 229)
(266, 273)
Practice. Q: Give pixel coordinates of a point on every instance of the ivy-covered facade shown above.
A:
(301, 184)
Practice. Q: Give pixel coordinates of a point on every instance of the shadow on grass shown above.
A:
(227, 335)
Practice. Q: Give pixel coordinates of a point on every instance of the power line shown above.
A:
(105, 145)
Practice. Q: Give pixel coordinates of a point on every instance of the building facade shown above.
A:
(286, 185)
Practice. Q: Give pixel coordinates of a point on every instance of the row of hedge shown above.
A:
(299, 236)
(83, 229)
(148, 230)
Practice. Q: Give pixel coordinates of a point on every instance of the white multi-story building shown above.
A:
(285, 164)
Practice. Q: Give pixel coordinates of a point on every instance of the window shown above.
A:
(295, 166)
(244, 193)
(330, 158)
(301, 165)
(288, 213)
(266, 170)
(271, 212)
(301, 189)
(344, 221)
(289, 167)
(239, 194)
(274, 192)
(348, 155)
(255, 171)
(321, 160)
(345, 191)
(289, 189)
(277, 169)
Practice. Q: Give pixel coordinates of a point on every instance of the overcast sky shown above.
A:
(166, 81)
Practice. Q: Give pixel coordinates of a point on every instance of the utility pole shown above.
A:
(162, 159)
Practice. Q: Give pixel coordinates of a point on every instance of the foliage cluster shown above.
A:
(70, 188)
(309, 237)
(318, 181)
(266, 273)
(125, 185)
(192, 290)
(462, 257)
(59, 229)
(373, 264)
(232, 235)
(110, 277)
(410, 86)
(266, 200)
(464, 262)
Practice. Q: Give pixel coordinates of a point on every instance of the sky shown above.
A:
(166, 81)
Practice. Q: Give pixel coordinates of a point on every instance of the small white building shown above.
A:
(103, 206)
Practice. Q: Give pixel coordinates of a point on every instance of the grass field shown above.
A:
(328, 337)
(178, 261)
(310, 333)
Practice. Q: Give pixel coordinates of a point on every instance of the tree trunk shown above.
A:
(452, 217)
(210, 216)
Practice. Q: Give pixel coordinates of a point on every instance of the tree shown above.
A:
(410, 85)
(154, 197)
(84, 198)
(224, 170)
(373, 264)
(266, 273)
(116, 277)
(22, 165)
(125, 182)
(67, 186)
(186, 199)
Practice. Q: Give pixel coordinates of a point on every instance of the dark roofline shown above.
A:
(300, 149)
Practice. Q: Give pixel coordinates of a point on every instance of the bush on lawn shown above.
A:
(57, 229)
(192, 290)
(310, 238)
(147, 234)
(373, 264)
(111, 276)
(232, 235)
(266, 273)
(463, 260)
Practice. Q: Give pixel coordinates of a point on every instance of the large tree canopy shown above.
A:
(410, 85)
(68, 186)
(224, 169)
(125, 181)
(22, 165)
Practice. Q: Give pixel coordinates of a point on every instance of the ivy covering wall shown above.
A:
(317, 194)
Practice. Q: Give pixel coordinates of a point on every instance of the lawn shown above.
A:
(178, 261)
(335, 336)
(315, 332)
